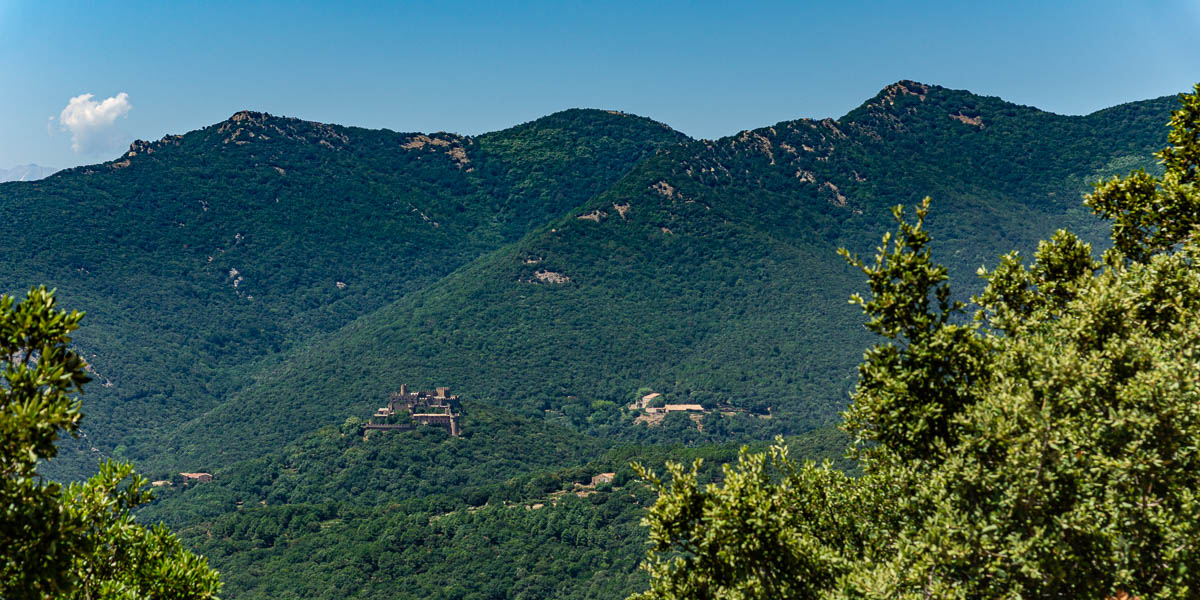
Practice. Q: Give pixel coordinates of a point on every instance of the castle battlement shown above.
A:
(435, 407)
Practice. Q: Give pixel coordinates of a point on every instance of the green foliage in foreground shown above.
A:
(81, 541)
(1048, 448)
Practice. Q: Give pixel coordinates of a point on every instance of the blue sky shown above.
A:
(706, 68)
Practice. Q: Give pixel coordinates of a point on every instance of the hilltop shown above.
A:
(708, 272)
(202, 257)
(254, 286)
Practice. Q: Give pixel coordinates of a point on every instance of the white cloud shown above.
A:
(93, 124)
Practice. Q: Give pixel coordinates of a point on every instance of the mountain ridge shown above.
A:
(258, 245)
(491, 324)
(237, 181)
(252, 300)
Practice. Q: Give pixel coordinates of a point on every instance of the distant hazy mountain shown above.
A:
(28, 172)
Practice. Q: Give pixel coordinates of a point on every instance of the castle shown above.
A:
(423, 408)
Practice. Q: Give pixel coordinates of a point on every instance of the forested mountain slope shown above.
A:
(256, 286)
(709, 273)
(200, 257)
(516, 508)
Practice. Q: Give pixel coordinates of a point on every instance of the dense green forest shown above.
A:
(256, 288)
(507, 511)
(1045, 448)
(207, 255)
(717, 254)
(79, 540)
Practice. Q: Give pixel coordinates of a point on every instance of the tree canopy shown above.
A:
(80, 541)
(1042, 441)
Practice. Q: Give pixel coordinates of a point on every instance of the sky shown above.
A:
(80, 80)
